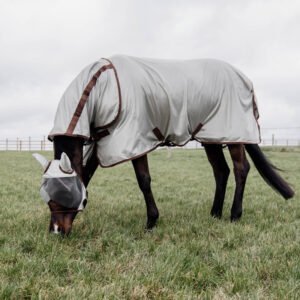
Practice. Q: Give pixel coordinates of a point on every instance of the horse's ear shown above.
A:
(65, 163)
(41, 159)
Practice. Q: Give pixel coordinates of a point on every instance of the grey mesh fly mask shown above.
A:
(61, 184)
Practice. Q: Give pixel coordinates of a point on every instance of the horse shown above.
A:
(120, 109)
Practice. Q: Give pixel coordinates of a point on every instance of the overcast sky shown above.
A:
(44, 44)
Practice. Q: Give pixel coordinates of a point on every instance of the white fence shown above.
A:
(280, 142)
(285, 136)
(43, 144)
(28, 144)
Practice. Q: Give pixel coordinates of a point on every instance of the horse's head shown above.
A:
(62, 187)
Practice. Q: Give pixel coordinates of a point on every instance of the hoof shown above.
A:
(216, 214)
(235, 218)
(151, 223)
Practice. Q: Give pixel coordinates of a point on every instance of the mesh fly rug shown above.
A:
(128, 106)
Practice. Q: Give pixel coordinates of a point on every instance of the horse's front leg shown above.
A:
(143, 177)
(221, 172)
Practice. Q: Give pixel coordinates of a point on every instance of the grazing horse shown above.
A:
(121, 109)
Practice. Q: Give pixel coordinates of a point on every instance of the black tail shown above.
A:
(267, 171)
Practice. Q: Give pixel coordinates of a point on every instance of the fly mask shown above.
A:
(61, 184)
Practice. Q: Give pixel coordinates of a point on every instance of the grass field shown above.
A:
(189, 255)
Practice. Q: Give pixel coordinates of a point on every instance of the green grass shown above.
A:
(189, 255)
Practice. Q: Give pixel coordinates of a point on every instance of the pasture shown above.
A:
(189, 255)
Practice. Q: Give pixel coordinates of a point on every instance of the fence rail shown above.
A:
(264, 142)
(26, 144)
(43, 144)
(280, 142)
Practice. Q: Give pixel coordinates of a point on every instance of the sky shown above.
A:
(45, 44)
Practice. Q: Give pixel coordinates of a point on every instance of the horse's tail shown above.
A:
(267, 171)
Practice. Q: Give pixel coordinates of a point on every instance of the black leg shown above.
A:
(143, 177)
(221, 172)
(241, 168)
(90, 167)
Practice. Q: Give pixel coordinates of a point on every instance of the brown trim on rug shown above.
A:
(227, 143)
(152, 149)
(158, 134)
(99, 135)
(120, 97)
(255, 109)
(50, 137)
(49, 163)
(84, 98)
(171, 144)
(197, 129)
(66, 171)
(137, 156)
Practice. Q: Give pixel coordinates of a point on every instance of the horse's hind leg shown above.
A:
(241, 168)
(143, 177)
(221, 172)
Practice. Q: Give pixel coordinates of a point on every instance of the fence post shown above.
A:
(44, 143)
(20, 145)
(169, 152)
(273, 139)
(6, 144)
(17, 144)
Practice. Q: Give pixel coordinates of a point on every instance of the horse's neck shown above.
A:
(73, 147)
